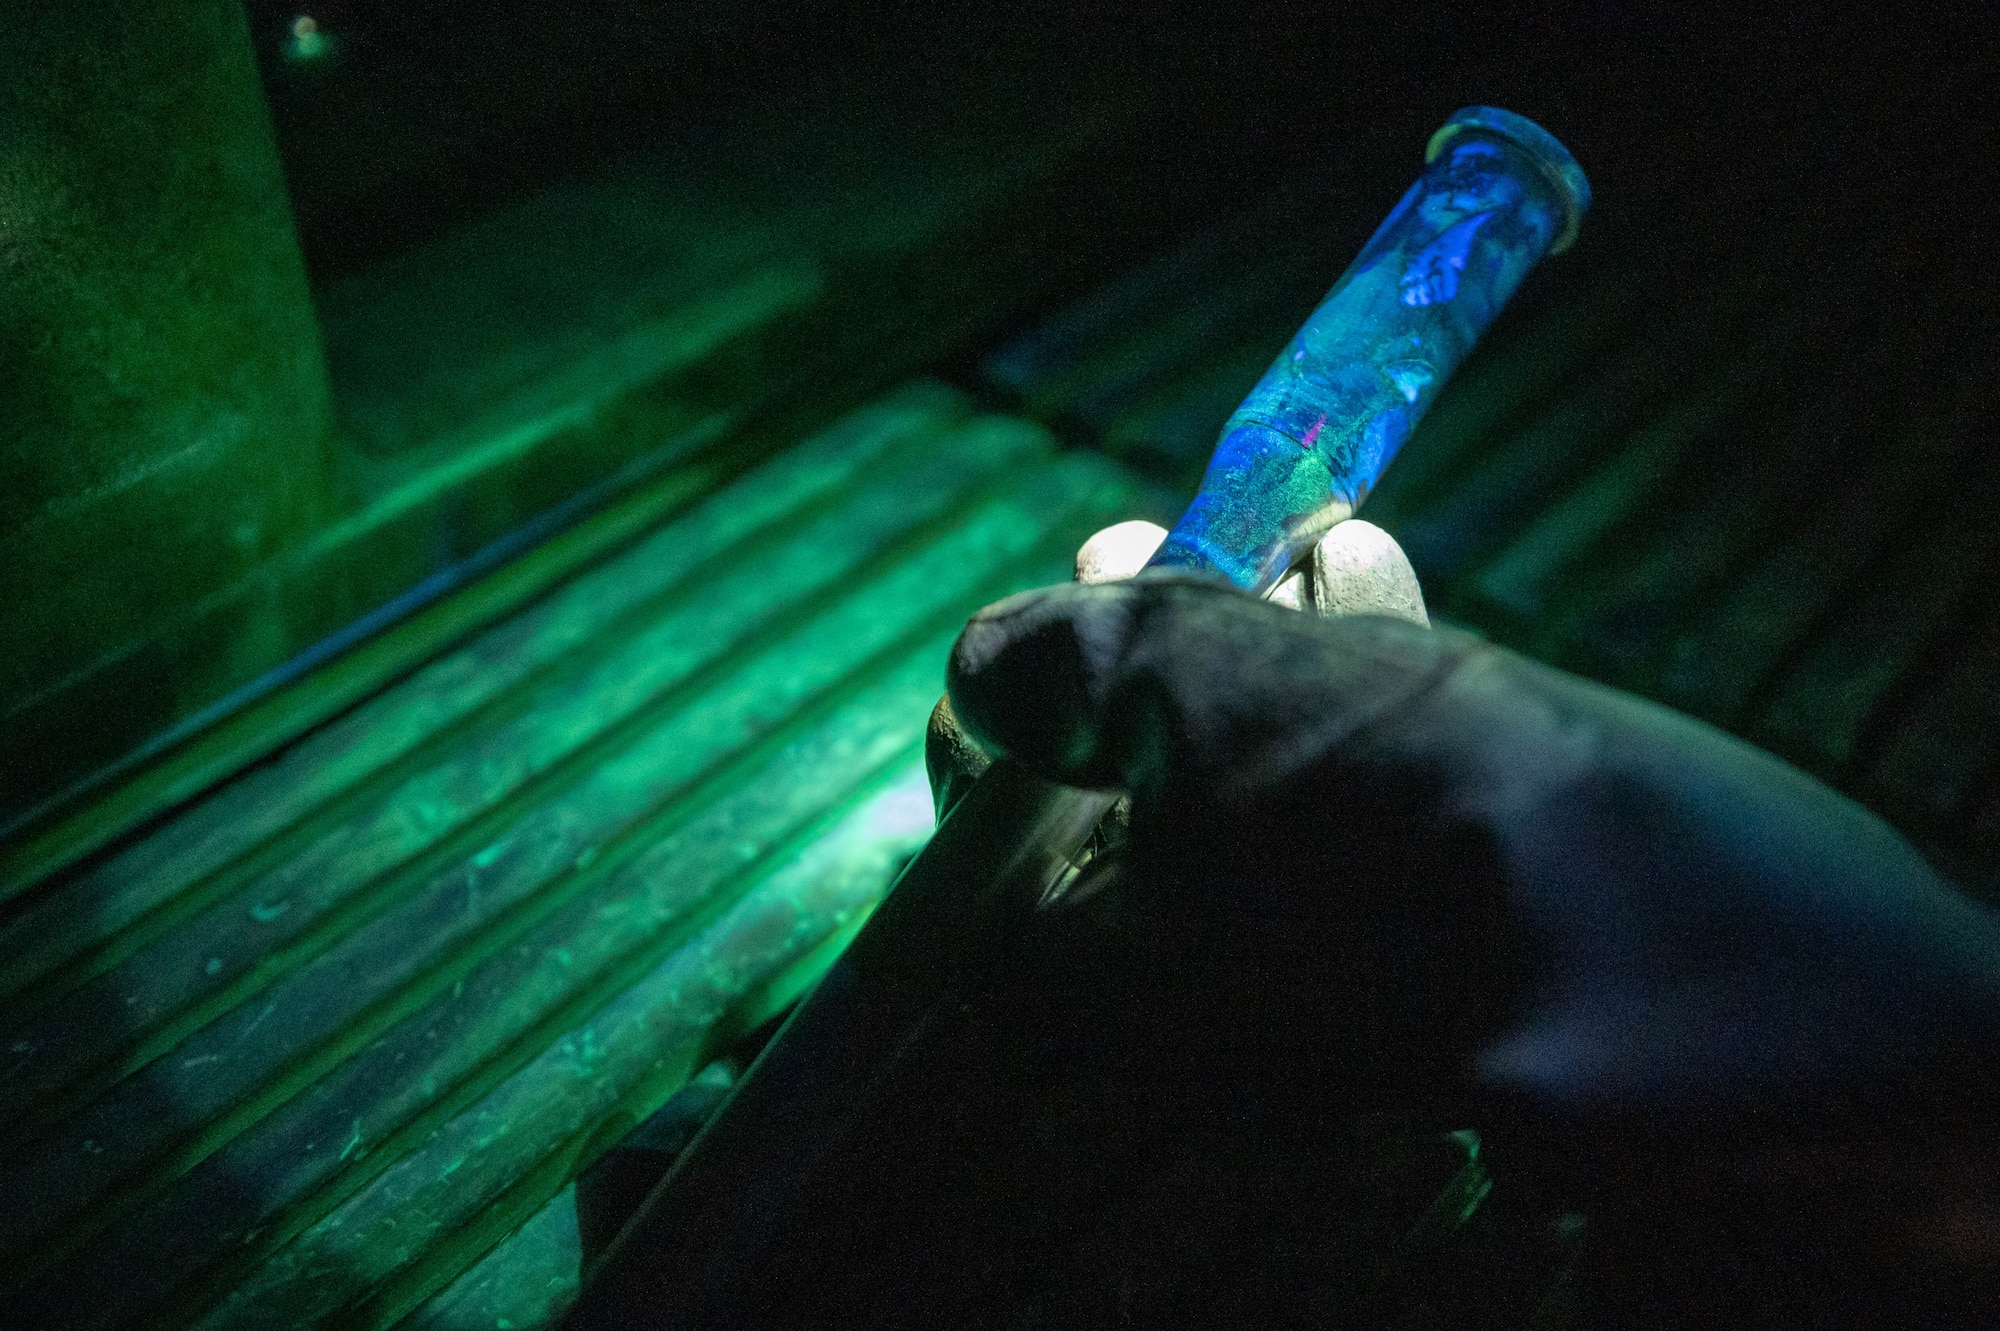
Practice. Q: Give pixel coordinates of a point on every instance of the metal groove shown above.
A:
(306, 1211)
(580, 766)
(404, 874)
(290, 839)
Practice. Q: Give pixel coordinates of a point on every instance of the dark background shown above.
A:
(423, 115)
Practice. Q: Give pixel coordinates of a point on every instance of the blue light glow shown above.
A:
(1311, 439)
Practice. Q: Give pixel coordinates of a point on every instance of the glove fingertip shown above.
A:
(1023, 676)
(1359, 569)
(1118, 551)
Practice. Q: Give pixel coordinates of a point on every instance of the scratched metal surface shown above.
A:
(307, 1049)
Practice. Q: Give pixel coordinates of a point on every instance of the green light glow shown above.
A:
(307, 42)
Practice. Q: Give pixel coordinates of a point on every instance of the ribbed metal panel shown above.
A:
(311, 1045)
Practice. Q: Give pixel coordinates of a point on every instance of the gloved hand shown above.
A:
(1384, 870)
(1356, 568)
(1486, 885)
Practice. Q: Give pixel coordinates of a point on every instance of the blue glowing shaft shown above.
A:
(1315, 434)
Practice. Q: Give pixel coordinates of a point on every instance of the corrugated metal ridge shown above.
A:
(255, 1030)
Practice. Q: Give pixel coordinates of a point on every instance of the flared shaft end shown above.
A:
(1538, 143)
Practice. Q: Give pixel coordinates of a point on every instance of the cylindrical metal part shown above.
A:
(1311, 439)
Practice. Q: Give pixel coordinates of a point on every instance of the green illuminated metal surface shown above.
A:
(526, 1282)
(310, 1047)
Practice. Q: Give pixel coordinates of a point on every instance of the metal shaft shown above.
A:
(1315, 434)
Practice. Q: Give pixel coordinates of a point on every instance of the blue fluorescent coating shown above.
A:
(1309, 442)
